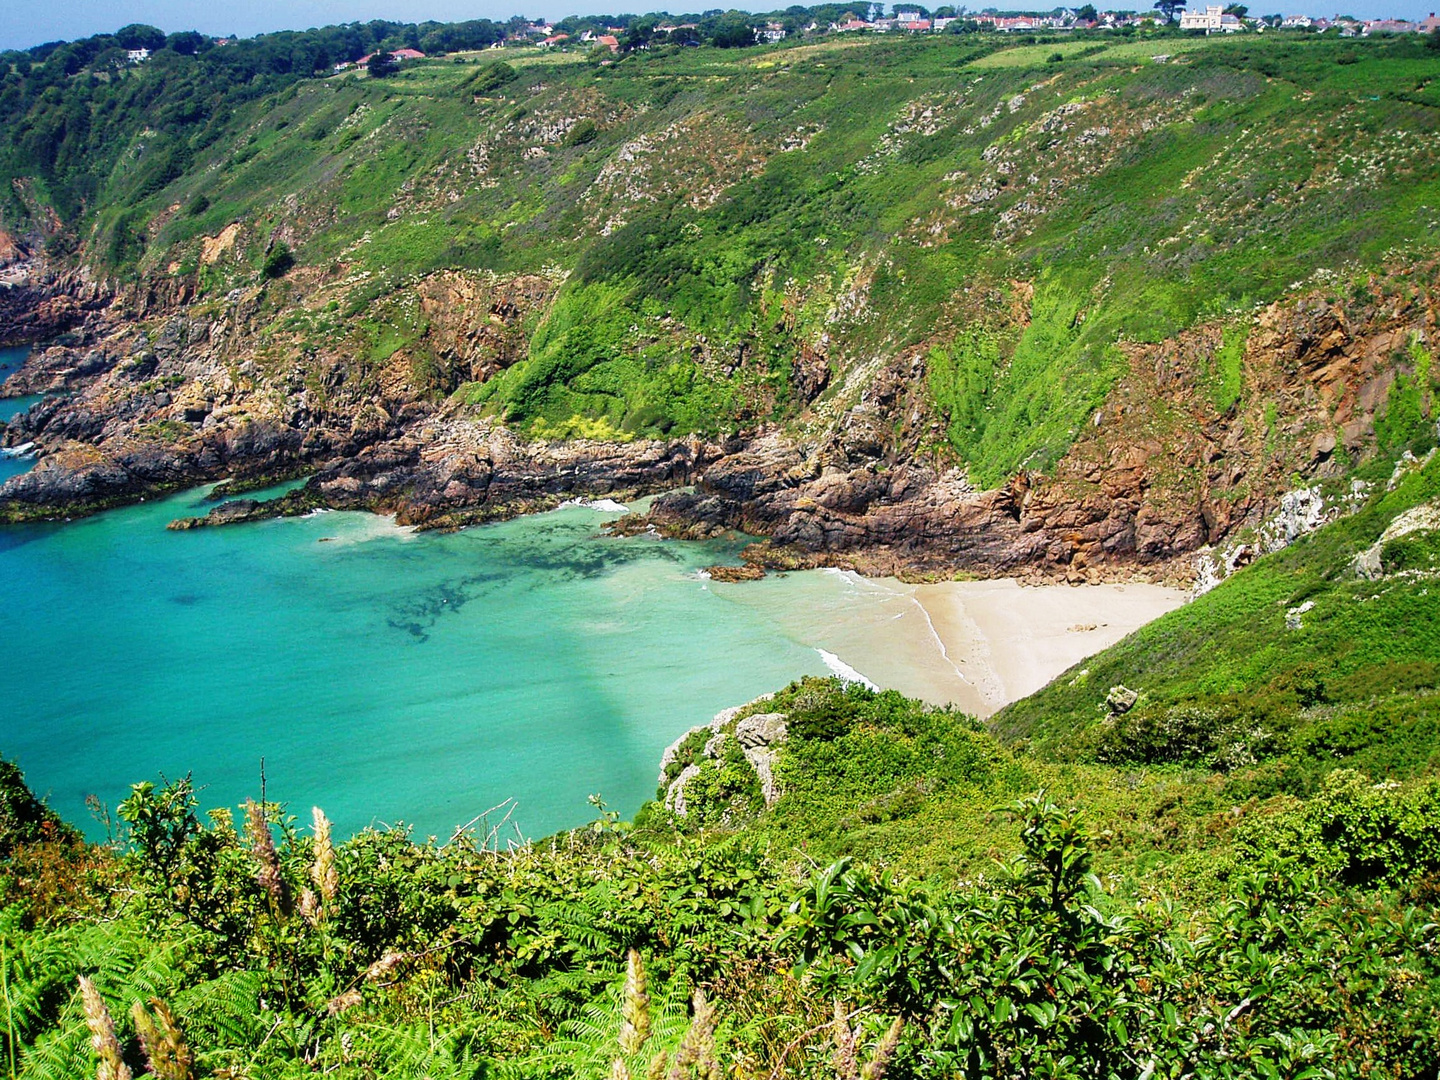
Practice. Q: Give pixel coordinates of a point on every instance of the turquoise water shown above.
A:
(10, 361)
(381, 674)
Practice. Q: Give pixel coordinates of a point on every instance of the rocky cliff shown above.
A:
(918, 308)
(147, 405)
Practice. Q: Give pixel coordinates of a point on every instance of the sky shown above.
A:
(26, 22)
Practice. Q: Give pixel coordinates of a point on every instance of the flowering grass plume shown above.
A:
(342, 1002)
(697, 1054)
(884, 1050)
(102, 1034)
(382, 968)
(262, 846)
(847, 1060)
(844, 1060)
(635, 1010)
(323, 872)
(166, 1051)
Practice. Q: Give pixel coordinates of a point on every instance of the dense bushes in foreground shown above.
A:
(267, 950)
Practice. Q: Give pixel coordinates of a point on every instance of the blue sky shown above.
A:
(29, 22)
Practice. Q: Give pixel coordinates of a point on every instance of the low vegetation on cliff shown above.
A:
(855, 885)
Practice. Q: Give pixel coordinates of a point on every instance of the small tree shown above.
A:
(278, 262)
(382, 65)
(186, 42)
(140, 36)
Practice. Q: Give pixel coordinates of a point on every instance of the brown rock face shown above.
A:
(1163, 469)
(11, 249)
(39, 305)
(1165, 465)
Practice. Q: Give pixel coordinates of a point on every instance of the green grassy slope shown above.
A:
(722, 214)
(1226, 683)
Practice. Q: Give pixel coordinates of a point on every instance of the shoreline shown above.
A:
(978, 645)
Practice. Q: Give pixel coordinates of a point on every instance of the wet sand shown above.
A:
(977, 644)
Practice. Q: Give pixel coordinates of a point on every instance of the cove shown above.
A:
(383, 675)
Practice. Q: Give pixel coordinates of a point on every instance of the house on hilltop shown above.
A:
(396, 54)
(1212, 20)
(1390, 26)
(610, 41)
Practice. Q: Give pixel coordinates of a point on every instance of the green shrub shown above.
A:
(278, 262)
(582, 133)
(489, 78)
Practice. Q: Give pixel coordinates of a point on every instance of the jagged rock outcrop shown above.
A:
(1413, 523)
(757, 736)
(36, 304)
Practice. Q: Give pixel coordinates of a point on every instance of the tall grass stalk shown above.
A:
(111, 1063)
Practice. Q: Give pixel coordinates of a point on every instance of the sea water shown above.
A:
(382, 674)
(10, 361)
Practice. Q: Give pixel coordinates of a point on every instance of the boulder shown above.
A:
(760, 735)
(1121, 699)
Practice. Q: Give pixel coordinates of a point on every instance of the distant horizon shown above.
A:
(68, 20)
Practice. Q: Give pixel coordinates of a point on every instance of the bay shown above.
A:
(382, 674)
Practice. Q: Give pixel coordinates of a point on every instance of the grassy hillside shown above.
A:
(718, 227)
(1244, 681)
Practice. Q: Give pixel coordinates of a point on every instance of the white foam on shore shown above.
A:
(939, 641)
(607, 506)
(23, 450)
(845, 671)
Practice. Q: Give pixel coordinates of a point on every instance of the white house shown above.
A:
(137, 56)
(1297, 22)
(1212, 20)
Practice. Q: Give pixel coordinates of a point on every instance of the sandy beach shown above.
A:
(977, 644)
